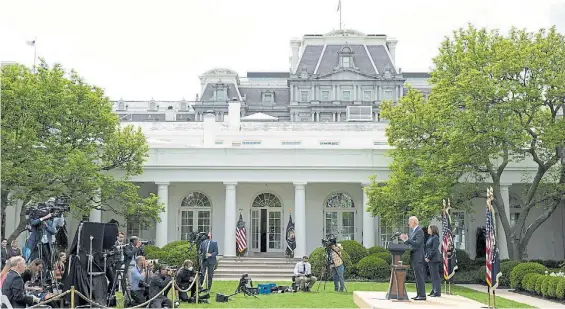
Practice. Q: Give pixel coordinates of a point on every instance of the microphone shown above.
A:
(395, 235)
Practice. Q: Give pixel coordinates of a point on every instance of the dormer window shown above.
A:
(220, 91)
(121, 105)
(268, 97)
(346, 57)
(152, 106)
(183, 105)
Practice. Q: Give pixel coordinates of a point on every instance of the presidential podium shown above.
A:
(397, 286)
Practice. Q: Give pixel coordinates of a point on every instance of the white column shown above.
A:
(230, 219)
(503, 247)
(161, 238)
(368, 221)
(300, 218)
(95, 214)
(339, 117)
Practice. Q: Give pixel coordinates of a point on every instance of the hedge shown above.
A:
(383, 255)
(373, 267)
(560, 289)
(355, 250)
(317, 261)
(551, 288)
(506, 269)
(529, 282)
(539, 281)
(376, 249)
(518, 273)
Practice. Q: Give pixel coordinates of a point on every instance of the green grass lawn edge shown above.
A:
(327, 298)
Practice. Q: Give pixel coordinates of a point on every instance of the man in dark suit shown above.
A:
(416, 242)
(13, 286)
(208, 251)
(4, 252)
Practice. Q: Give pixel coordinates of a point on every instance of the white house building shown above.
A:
(302, 143)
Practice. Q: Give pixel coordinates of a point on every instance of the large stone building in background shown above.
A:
(302, 143)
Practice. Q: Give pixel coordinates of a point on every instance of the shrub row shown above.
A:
(544, 285)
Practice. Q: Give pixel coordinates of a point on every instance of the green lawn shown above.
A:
(324, 298)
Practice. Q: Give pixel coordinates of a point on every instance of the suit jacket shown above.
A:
(4, 254)
(432, 249)
(157, 284)
(212, 249)
(416, 243)
(13, 288)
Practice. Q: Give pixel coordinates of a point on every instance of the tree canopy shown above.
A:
(497, 100)
(60, 137)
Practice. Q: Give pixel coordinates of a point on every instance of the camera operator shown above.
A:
(337, 266)
(137, 278)
(13, 286)
(158, 282)
(133, 250)
(184, 278)
(303, 275)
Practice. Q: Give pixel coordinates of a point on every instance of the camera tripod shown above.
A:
(242, 288)
(119, 280)
(326, 271)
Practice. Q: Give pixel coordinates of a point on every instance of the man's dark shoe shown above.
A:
(419, 298)
(436, 295)
(431, 293)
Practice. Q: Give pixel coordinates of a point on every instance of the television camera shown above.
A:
(329, 242)
(245, 286)
(57, 207)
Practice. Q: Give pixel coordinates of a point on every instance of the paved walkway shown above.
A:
(524, 299)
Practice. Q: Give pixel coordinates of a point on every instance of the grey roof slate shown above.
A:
(309, 58)
(381, 58)
(330, 59)
(254, 97)
(268, 74)
(208, 93)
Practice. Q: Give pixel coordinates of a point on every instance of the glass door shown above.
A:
(340, 224)
(255, 230)
(459, 229)
(274, 231)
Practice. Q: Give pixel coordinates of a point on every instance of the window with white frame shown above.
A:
(459, 230)
(346, 95)
(251, 143)
(268, 97)
(387, 230)
(359, 113)
(325, 95)
(121, 105)
(290, 143)
(329, 143)
(346, 61)
(220, 95)
(133, 229)
(367, 95)
(388, 94)
(514, 218)
(195, 214)
(304, 96)
(152, 106)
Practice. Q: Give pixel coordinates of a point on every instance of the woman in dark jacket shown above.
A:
(433, 259)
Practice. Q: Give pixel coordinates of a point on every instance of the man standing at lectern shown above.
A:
(416, 242)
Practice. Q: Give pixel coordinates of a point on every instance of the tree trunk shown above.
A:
(21, 226)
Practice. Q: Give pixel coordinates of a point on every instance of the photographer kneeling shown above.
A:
(303, 275)
(158, 282)
(185, 278)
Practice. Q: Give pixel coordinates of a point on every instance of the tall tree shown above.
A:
(497, 101)
(60, 137)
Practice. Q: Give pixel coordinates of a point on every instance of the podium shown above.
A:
(397, 283)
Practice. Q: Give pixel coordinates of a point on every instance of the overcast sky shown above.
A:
(137, 50)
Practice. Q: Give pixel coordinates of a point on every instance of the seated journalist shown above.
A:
(158, 282)
(303, 275)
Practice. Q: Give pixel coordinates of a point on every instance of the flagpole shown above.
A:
(340, 15)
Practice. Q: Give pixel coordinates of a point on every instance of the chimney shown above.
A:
(170, 114)
(234, 115)
(209, 129)
(391, 45)
(295, 46)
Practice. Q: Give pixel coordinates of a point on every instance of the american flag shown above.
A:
(447, 248)
(492, 259)
(241, 236)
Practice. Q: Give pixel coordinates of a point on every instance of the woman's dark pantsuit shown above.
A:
(434, 274)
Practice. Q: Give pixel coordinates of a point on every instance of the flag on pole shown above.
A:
(338, 5)
(31, 43)
(492, 259)
(290, 238)
(241, 236)
(448, 248)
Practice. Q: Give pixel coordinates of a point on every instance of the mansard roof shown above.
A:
(322, 59)
(253, 96)
(208, 93)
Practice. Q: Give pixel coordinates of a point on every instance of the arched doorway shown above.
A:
(266, 223)
(339, 216)
(195, 214)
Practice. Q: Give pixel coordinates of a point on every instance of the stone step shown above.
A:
(254, 270)
(256, 279)
(260, 259)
